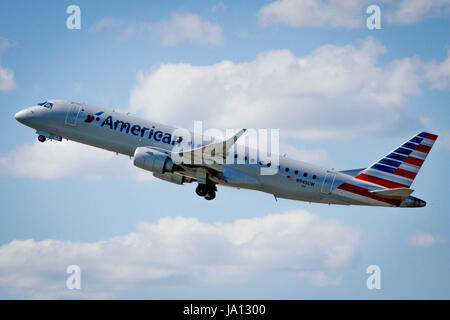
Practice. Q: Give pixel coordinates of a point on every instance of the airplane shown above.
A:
(153, 147)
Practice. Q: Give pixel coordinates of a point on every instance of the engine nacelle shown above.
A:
(152, 160)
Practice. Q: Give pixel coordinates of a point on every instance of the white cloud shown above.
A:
(6, 79)
(178, 28)
(412, 11)
(182, 251)
(299, 13)
(66, 159)
(6, 75)
(444, 140)
(53, 160)
(424, 239)
(107, 23)
(327, 94)
(182, 27)
(438, 74)
(123, 29)
(320, 278)
(218, 7)
(348, 14)
(5, 44)
(311, 156)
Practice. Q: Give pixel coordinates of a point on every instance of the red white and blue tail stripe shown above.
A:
(399, 168)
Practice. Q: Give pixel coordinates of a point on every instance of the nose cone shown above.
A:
(27, 117)
(22, 116)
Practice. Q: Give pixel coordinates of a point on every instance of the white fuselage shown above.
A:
(122, 133)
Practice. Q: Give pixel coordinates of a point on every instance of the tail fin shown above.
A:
(399, 168)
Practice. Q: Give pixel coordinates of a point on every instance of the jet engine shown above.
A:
(152, 160)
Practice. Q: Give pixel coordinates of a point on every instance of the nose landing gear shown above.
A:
(41, 138)
(44, 136)
(208, 191)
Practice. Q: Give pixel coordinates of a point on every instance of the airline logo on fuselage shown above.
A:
(91, 118)
(135, 129)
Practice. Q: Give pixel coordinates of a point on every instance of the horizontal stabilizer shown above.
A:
(395, 194)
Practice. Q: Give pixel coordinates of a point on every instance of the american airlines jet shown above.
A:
(155, 147)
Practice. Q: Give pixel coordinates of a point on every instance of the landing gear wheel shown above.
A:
(201, 190)
(41, 138)
(210, 195)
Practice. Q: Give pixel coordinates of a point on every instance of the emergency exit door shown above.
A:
(72, 115)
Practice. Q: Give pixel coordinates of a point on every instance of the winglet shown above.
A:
(225, 145)
(235, 137)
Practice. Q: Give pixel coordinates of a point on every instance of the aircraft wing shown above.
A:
(207, 155)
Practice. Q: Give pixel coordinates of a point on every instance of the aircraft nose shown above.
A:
(23, 116)
(20, 116)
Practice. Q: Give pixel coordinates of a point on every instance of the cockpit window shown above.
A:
(46, 104)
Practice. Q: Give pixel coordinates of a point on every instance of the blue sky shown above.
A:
(342, 96)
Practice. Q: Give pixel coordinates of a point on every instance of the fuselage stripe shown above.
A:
(381, 181)
(365, 193)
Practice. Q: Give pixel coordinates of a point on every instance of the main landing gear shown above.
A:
(208, 191)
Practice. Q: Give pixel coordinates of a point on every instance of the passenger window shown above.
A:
(287, 169)
(296, 171)
(314, 177)
(305, 174)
